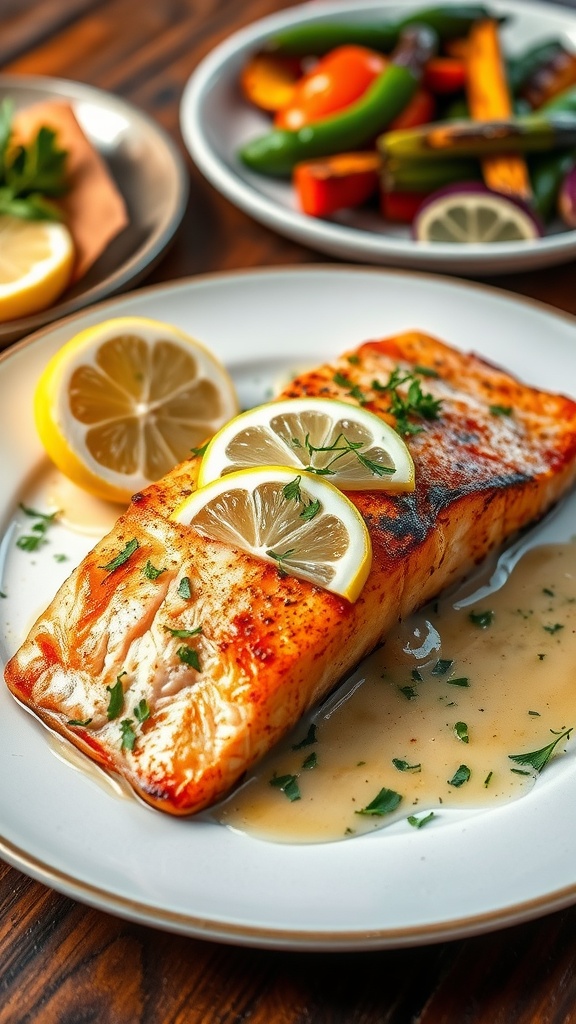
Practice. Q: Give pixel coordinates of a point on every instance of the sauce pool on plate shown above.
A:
(461, 708)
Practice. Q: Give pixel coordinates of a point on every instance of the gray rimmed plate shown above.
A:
(148, 171)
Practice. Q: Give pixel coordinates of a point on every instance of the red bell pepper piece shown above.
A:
(337, 80)
(420, 110)
(401, 207)
(333, 183)
(445, 75)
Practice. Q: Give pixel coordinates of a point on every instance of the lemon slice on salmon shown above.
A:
(126, 400)
(351, 447)
(36, 259)
(300, 523)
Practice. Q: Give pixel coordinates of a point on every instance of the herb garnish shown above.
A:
(29, 174)
(185, 588)
(288, 784)
(554, 629)
(151, 572)
(461, 732)
(128, 734)
(353, 390)
(310, 762)
(189, 657)
(130, 547)
(199, 451)
(442, 666)
(538, 759)
(341, 446)
(183, 634)
(419, 822)
(292, 492)
(460, 681)
(78, 721)
(403, 766)
(488, 778)
(142, 710)
(482, 619)
(409, 692)
(385, 802)
(415, 404)
(461, 775)
(116, 702)
(308, 740)
(500, 410)
(281, 556)
(32, 541)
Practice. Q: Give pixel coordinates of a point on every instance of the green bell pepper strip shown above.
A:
(278, 152)
(319, 37)
(563, 103)
(521, 68)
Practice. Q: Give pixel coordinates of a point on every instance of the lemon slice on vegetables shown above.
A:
(300, 523)
(468, 214)
(36, 259)
(126, 400)
(352, 448)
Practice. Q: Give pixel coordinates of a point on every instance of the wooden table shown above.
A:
(63, 962)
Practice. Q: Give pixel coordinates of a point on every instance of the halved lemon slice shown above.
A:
(351, 447)
(471, 213)
(126, 400)
(36, 259)
(301, 523)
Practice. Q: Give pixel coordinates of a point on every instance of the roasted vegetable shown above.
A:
(567, 198)
(445, 75)
(547, 172)
(489, 99)
(319, 37)
(529, 133)
(521, 68)
(336, 182)
(278, 152)
(553, 77)
(268, 80)
(336, 81)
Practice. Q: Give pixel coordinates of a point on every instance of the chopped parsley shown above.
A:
(310, 762)
(189, 657)
(415, 404)
(461, 775)
(308, 740)
(33, 541)
(116, 701)
(460, 681)
(151, 572)
(442, 666)
(128, 550)
(287, 784)
(128, 734)
(352, 389)
(482, 619)
(554, 629)
(419, 822)
(199, 452)
(403, 766)
(500, 410)
(185, 588)
(292, 492)
(461, 732)
(79, 721)
(341, 446)
(142, 711)
(385, 802)
(488, 778)
(538, 759)
(409, 692)
(183, 634)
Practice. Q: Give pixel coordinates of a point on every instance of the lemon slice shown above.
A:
(471, 213)
(301, 523)
(36, 258)
(353, 448)
(126, 400)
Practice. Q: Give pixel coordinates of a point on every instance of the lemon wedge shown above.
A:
(348, 445)
(126, 400)
(36, 259)
(301, 523)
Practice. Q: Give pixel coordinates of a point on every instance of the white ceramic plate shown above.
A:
(467, 872)
(216, 121)
(147, 169)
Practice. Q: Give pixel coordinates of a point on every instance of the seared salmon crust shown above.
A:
(103, 664)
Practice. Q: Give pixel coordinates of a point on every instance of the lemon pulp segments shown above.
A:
(299, 522)
(123, 402)
(352, 447)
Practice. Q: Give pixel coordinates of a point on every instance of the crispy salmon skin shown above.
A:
(104, 664)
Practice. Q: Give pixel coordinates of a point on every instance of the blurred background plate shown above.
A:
(216, 121)
(147, 169)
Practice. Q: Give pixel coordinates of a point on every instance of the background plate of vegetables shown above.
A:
(440, 138)
(91, 192)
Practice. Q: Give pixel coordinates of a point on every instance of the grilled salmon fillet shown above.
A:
(100, 666)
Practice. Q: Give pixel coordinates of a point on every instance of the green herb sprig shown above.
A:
(32, 174)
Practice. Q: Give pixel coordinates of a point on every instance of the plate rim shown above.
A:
(148, 253)
(253, 934)
(332, 237)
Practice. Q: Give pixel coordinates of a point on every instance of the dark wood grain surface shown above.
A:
(64, 963)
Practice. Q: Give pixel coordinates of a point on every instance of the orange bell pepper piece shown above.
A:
(337, 80)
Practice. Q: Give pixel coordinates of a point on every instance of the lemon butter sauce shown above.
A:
(460, 708)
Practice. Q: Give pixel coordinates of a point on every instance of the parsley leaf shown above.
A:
(385, 802)
(538, 759)
(461, 775)
(461, 732)
(142, 710)
(185, 588)
(130, 547)
(419, 822)
(128, 734)
(308, 740)
(288, 784)
(403, 766)
(116, 702)
(189, 657)
(482, 619)
(151, 572)
(183, 634)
